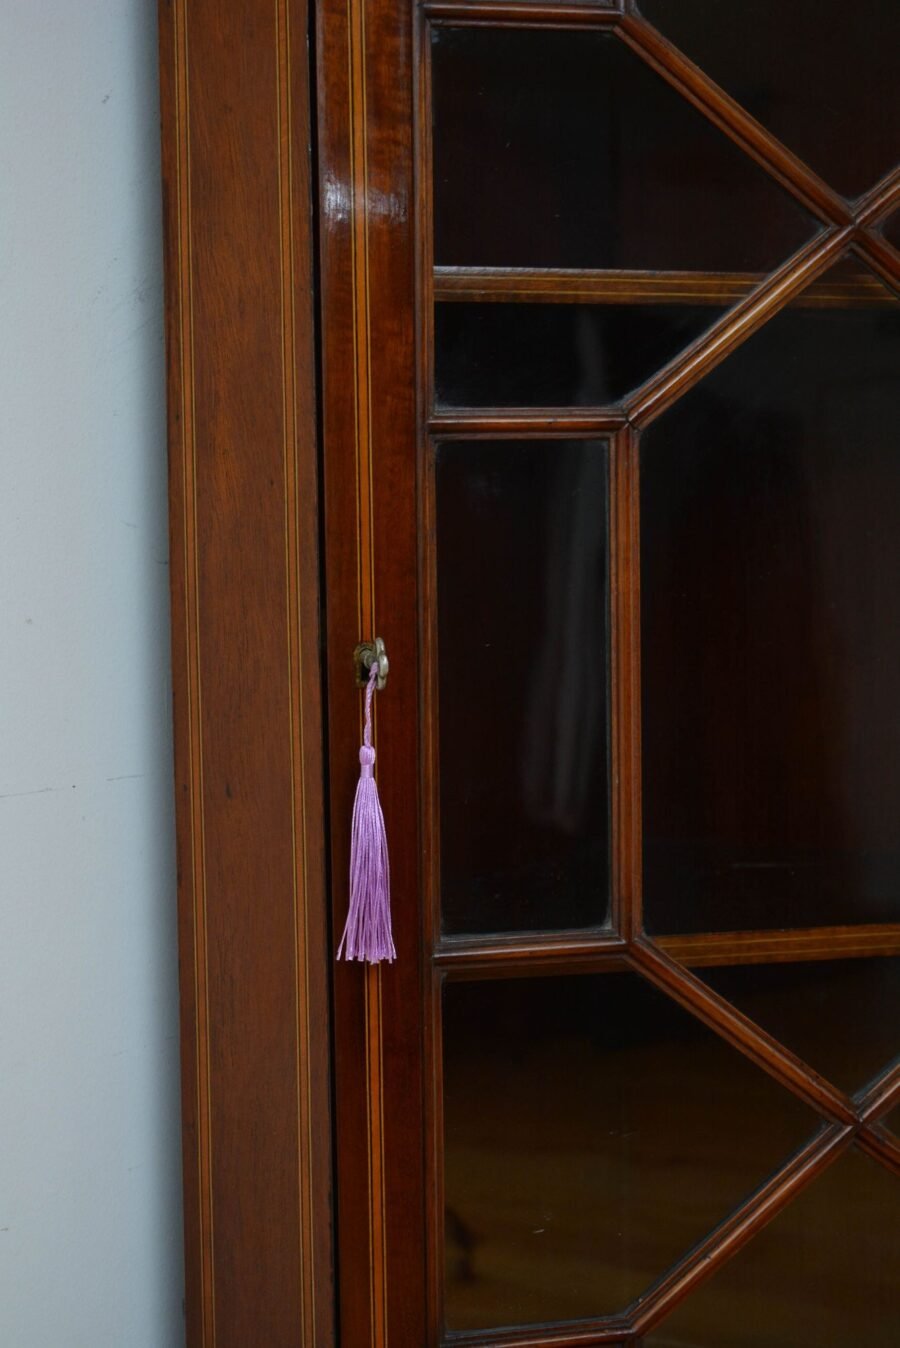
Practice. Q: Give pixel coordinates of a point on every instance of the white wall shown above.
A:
(90, 1223)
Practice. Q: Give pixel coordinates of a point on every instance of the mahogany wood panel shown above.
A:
(625, 622)
(370, 451)
(526, 13)
(528, 953)
(497, 422)
(245, 586)
(488, 285)
(767, 947)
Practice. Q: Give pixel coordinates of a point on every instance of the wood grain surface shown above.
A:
(245, 592)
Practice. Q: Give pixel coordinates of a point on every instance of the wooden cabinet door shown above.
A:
(610, 358)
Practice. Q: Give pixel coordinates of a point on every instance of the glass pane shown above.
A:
(554, 355)
(823, 1274)
(594, 4)
(893, 1122)
(771, 630)
(842, 1017)
(522, 541)
(891, 230)
(825, 86)
(593, 1133)
(564, 149)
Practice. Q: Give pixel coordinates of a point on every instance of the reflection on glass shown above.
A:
(553, 355)
(593, 1133)
(522, 541)
(564, 149)
(770, 521)
(825, 87)
(823, 1274)
(842, 1017)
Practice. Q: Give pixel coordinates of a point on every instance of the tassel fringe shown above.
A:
(367, 934)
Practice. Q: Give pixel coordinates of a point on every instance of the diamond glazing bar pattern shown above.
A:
(850, 228)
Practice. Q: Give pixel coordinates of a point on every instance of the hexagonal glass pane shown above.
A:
(823, 1274)
(770, 615)
(564, 149)
(833, 102)
(593, 1133)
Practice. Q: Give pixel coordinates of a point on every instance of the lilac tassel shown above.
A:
(367, 934)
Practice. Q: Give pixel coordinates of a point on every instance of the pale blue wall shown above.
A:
(90, 1222)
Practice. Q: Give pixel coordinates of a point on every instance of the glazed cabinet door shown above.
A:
(611, 386)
